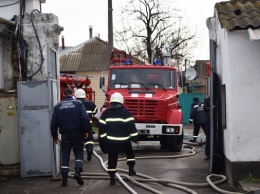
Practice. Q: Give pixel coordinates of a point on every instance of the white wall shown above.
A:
(238, 65)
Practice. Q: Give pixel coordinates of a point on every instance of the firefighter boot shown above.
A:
(77, 177)
(131, 170)
(194, 140)
(112, 179)
(64, 182)
(89, 153)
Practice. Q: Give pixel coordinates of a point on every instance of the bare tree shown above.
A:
(148, 26)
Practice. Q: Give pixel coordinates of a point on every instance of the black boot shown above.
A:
(131, 170)
(64, 182)
(112, 179)
(77, 177)
(89, 155)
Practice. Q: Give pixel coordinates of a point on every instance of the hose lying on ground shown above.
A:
(144, 178)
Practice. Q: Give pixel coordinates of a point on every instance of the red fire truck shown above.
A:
(151, 94)
(75, 82)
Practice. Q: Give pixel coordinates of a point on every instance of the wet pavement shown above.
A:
(186, 167)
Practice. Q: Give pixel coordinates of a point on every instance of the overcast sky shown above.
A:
(77, 16)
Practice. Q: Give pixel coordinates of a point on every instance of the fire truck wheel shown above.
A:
(102, 144)
(163, 142)
(175, 143)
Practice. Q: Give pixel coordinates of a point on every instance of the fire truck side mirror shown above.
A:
(101, 82)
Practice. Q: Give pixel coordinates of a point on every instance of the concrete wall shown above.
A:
(48, 32)
(238, 68)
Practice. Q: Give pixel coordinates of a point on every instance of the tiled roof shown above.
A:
(7, 22)
(88, 56)
(239, 14)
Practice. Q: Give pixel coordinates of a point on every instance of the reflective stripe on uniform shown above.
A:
(103, 135)
(78, 161)
(64, 167)
(120, 119)
(114, 169)
(130, 160)
(134, 134)
(90, 111)
(102, 121)
(89, 142)
(117, 138)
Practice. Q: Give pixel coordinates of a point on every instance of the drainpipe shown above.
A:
(90, 32)
(62, 42)
(211, 24)
(110, 30)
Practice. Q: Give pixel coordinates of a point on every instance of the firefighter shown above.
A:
(199, 118)
(117, 127)
(72, 121)
(91, 109)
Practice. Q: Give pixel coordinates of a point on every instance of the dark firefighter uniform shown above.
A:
(71, 119)
(199, 117)
(117, 125)
(89, 142)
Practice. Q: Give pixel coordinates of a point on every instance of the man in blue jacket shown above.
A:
(199, 118)
(72, 122)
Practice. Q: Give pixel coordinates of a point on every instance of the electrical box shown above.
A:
(9, 135)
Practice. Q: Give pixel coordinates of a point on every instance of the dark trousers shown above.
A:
(197, 127)
(71, 140)
(89, 142)
(114, 147)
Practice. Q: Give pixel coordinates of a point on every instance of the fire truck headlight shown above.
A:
(170, 130)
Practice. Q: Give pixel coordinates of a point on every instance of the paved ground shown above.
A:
(157, 164)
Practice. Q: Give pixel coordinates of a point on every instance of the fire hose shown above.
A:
(144, 178)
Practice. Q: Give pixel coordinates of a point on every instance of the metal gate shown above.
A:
(36, 144)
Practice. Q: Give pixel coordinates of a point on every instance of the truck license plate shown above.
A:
(144, 131)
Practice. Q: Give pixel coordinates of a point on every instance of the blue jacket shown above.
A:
(69, 115)
(198, 114)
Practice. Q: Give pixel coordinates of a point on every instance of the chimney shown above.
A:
(62, 42)
(90, 32)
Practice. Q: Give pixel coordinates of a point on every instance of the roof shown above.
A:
(5, 24)
(89, 56)
(239, 14)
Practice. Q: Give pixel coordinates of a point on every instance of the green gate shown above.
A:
(185, 101)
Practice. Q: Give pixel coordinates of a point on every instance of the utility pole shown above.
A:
(110, 30)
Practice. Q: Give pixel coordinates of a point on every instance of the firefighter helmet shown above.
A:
(117, 97)
(80, 93)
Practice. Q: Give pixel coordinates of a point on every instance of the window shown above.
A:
(138, 78)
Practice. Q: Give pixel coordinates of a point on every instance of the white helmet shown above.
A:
(117, 97)
(80, 93)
